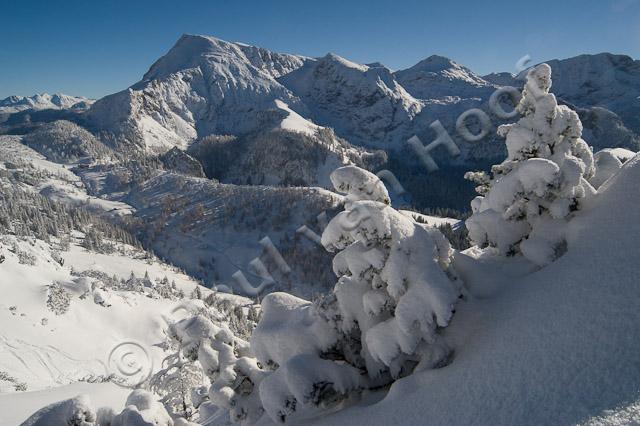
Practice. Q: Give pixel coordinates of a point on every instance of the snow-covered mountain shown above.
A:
(42, 101)
(364, 104)
(601, 80)
(202, 86)
(213, 170)
(436, 77)
(206, 86)
(253, 116)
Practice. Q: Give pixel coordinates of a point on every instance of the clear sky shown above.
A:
(96, 47)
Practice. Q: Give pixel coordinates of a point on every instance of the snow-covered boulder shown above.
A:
(142, 409)
(76, 411)
(607, 163)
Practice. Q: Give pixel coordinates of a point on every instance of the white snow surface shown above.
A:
(52, 353)
(558, 346)
(61, 184)
(294, 121)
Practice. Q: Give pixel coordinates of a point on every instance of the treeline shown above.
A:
(29, 214)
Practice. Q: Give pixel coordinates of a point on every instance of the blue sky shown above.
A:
(97, 47)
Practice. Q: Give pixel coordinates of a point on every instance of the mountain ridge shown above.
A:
(207, 86)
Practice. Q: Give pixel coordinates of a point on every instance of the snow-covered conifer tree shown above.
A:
(393, 285)
(396, 289)
(523, 207)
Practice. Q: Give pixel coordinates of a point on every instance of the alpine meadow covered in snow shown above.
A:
(252, 237)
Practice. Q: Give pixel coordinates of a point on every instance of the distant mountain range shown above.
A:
(205, 86)
(304, 116)
(43, 101)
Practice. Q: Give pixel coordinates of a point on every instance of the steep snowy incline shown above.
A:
(364, 104)
(556, 347)
(202, 86)
(606, 80)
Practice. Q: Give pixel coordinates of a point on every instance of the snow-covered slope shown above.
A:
(22, 167)
(43, 101)
(50, 350)
(556, 347)
(364, 104)
(202, 86)
(602, 80)
(213, 230)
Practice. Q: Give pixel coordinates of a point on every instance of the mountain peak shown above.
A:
(191, 50)
(438, 77)
(435, 63)
(184, 54)
(334, 58)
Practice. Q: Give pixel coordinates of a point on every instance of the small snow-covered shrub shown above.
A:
(177, 382)
(24, 257)
(524, 205)
(58, 299)
(18, 386)
(209, 363)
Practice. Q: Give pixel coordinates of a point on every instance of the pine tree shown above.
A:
(196, 293)
(58, 299)
(524, 205)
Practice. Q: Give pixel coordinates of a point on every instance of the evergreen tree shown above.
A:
(524, 205)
